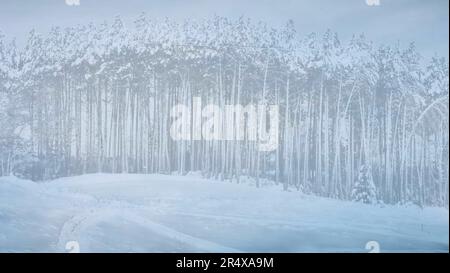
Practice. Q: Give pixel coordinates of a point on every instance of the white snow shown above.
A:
(160, 213)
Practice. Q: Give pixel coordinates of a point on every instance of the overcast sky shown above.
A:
(423, 21)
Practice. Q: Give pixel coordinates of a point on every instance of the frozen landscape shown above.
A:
(160, 213)
(124, 128)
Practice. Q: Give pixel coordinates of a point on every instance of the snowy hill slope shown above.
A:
(159, 213)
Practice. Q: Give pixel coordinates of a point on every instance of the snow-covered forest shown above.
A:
(97, 98)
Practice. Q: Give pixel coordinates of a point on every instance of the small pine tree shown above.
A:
(364, 188)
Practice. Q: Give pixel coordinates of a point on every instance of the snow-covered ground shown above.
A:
(159, 213)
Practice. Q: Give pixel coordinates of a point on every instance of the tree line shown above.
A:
(97, 98)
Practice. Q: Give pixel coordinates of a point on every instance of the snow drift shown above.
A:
(160, 213)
